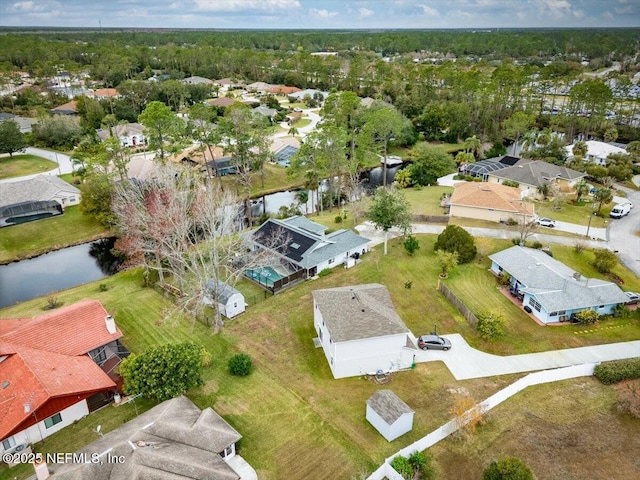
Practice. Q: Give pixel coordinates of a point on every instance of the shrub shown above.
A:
(605, 260)
(401, 465)
(411, 245)
(587, 317)
(457, 239)
(490, 325)
(579, 246)
(324, 272)
(103, 287)
(511, 183)
(511, 222)
(507, 469)
(537, 245)
(240, 365)
(338, 219)
(618, 370)
(205, 357)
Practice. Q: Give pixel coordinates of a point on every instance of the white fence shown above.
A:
(545, 376)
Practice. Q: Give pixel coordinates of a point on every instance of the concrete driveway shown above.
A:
(466, 362)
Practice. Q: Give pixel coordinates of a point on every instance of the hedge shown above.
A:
(618, 370)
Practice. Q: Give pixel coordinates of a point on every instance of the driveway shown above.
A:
(63, 160)
(466, 362)
(623, 232)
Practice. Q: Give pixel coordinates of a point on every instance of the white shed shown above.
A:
(230, 301)
(389, 415)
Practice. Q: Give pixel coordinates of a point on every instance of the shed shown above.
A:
(230, 301)
(389, 414)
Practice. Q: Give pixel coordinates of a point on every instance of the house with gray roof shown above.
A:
(550, 290)
(360, 332)
(304, 249)
(129, 134)
(531, 174)
(389, 414)
(174, 440)
(37, 197)
(230, 301)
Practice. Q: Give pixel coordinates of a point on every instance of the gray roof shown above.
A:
(171, 441)
(42, 187)
(553, 283)
(358, 311)
(388, 405)
(196, 80)
(266, 111)
(225, 291)
(334, 244)
(123, 130)
(305, 224)
(309, 91)
(536, 172)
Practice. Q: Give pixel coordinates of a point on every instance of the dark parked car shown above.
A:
(433, 342)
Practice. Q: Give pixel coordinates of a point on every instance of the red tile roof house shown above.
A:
(55, 369)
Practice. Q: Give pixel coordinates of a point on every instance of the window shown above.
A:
(235, 304)
(331, 260)
(53, 420)
(601, 306)
(8, 443)
(227, 451)
(553, 314)
(72, 199)
(320, 333)
(534, 304)
(99, 355)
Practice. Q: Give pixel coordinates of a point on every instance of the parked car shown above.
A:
(546, 222)
(634, 298)
(620, 211)
(433, 342)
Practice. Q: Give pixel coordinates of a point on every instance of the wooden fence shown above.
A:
(460, 306)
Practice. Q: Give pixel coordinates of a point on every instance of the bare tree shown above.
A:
(526, 228)
(181, 226)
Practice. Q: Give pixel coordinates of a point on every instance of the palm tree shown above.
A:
(293, 131)
(312, 182)
(602, 196)
(529, 139)
(582, 188)
(580, 149)
(473, 145)
(544, 190)
(302, 197)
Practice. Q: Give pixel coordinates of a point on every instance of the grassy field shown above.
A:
(426, 200)
(20, 165)
(296, 420)
(578, 214)
(566, 430)
(34, 238)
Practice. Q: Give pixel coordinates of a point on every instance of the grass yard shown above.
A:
(296, 420)
(20, 165)
(426, 200)
(303, 122)
(567, 430)
(34, 238)
(578, 214)
(275, 180)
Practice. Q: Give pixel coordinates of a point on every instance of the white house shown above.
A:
(550, 290)
(389, 414)
(230, 301)
(360, 331)
(129, 134)
(597, 152)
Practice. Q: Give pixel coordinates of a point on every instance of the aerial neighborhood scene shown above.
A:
(320, 239)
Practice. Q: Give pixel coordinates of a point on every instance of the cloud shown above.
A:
(428, 11)
(365, 12)
(314, 12)
(30, 7)
(244, 5)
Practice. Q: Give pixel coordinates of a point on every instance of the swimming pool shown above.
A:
(264, 275)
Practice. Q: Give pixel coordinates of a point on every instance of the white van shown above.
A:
(620, 210)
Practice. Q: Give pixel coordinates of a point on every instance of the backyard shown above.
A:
(296, 420)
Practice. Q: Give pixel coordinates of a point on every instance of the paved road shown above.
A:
(466, 362)
(624, 232)
(367, 230)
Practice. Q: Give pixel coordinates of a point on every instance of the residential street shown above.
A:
(623, 232)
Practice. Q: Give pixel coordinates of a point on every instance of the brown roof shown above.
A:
(221, 102)
(104, 93)
(71, 106)
(490, 196)
(283, 89)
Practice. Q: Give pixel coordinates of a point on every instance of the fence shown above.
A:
(545, 376)
(460, 306)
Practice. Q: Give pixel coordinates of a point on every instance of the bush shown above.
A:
(511, 222)
(411, 245)
(537, 245)
(490, 325)
(618, 370)
(511, 183)
(417, 466)
(240, 365)
(605, 260)
(457, 239)
(507, 469)
(338, 219)
(103, 287)
(579, 246)
(587, 317)
(205, 357)
(401, 465)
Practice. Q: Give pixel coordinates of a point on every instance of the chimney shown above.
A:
(111, 324)
(42, 471)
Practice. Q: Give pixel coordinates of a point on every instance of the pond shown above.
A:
(59, 270)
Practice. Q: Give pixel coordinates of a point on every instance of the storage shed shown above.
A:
(230, 301)
(389, 415)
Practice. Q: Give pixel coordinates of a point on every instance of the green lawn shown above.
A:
(303, 122)
(20, 165)
(296, 420)
(426, 200)
(33, 238)
(579, 214)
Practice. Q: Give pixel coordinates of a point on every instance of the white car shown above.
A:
(546, 222)
(633, 298)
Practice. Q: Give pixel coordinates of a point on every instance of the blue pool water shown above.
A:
(264, 275)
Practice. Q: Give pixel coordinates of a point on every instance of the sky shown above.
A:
(321, 14)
